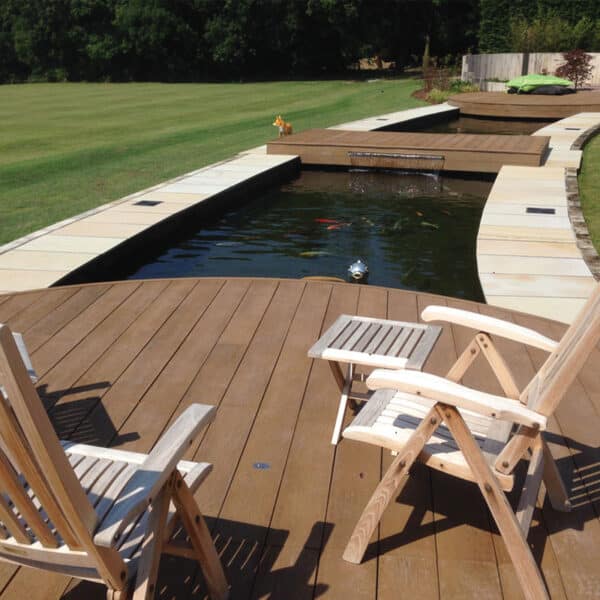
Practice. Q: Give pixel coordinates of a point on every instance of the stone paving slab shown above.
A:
(529, 261)
(46, 256)
(379, 121)
(43, 261)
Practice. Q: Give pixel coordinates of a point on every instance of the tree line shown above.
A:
(203, 40)
(199, 40)
(539, 25)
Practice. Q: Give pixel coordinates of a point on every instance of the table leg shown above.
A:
(339, 420)
(337, 374)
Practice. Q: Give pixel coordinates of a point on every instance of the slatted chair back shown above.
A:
(552, 381)
(42, 499)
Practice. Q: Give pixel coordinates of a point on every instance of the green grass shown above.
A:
(589, 188)
(66, 148)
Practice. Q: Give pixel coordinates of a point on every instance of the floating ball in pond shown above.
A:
(358, 272)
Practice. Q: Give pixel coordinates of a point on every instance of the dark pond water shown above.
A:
(465, 124)
(415, 231)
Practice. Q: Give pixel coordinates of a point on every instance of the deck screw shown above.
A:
(473, 350)
(433, 420)
(197, 519)
(402, 464)
(116, 537)
(505, 464)
(488, 487)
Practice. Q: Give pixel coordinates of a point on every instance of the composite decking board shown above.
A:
(357, 467)
(50, 353)
(500, 104)
(301, 505)
(226, 438)
(407, 562)
(272, 431)
(415, 141)
(29, 316)
(214, 376)
(91, 387)
(457, 152)
(56, 319)
(177, 377)
(229, 435)
(64, 375)
(480, 550)
(15, 304)
(460, 535)
(298, 527)
(567, 544)
(124, 394)
(523, 370)
(579, 427)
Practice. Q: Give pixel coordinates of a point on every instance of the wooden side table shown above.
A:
(381, 343)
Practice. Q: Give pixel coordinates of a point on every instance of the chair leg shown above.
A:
(339, 420)
(118, 594)
(555, 486)
(206, 553)
(531, 488)
(385, 491)
(526, 568)
(145, 582)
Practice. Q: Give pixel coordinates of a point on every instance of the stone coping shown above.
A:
(532, 252)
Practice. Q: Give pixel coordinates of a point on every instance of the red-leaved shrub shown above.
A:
(576, 68)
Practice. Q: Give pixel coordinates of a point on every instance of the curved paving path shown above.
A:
(527, 253)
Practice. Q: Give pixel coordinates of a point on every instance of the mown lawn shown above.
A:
(66, 148)
(589, 188)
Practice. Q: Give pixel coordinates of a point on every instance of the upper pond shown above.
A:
(464, 124)
(415, 231)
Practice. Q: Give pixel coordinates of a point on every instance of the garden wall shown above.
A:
(479, 67)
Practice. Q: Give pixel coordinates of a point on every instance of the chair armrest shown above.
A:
(442, 390)
(489, 325)
(149, 478)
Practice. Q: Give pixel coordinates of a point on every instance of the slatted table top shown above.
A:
(378, 343)
(119, 361)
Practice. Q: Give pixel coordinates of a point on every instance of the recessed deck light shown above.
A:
(541, 211)
(147, 203)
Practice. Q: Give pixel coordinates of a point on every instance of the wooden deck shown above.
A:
(404, 150)
(525, 106)
(119, 361)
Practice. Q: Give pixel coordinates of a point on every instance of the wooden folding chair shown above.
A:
(467, 433)
(95, 513)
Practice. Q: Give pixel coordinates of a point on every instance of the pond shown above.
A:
(415, 231)
(464, 124)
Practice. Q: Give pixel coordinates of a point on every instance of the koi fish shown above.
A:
(326, 221)
(430, 225)
(338, 226)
